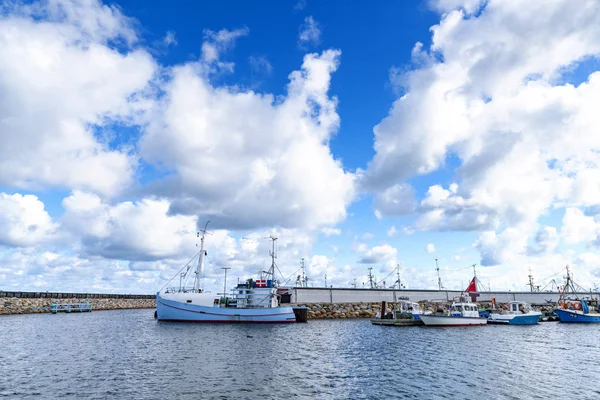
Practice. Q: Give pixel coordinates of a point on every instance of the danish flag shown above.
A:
(261, 283)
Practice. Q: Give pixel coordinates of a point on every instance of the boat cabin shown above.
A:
(464, 310)
(259, 293)
(518, 307)
(407, 307)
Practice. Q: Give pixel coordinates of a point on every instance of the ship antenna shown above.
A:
(437, 268)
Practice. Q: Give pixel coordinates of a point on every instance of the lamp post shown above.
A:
(225, 281)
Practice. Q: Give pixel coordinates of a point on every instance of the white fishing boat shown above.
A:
(462, 313)
(253, 301)
(403, 309)
(519, 313)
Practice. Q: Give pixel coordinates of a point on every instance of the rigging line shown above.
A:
(292, 275)
(551, 276)
(456, 270)
(178, 272)
(394, 271)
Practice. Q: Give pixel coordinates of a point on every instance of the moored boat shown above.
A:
(519, 313)
(575, 311)
(460, 314)
(581, 315)
(254, 301)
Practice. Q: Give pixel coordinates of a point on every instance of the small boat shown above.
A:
(578, 312)
(254, 301)
(575, 311)
(519, 313)
(404, 313)
(404, 309)
(463, 313)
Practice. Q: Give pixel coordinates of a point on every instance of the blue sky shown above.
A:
(362, 134)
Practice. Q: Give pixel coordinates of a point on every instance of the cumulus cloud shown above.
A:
(271, 164)
(430, 248)
(545, 241)
(24, 221)
(140, 230)
(310, 32)
(577, 227)
(492, 92)
(378, 254)
(62, 85)
(395, 200)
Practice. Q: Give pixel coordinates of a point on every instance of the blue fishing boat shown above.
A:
(519, 313)
(575, 311)
(581, 315)
(250, 302)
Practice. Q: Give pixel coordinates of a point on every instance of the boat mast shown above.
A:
(273, 257)
(200, 258)
(437, 268)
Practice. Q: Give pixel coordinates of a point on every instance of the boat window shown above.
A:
(188, 301)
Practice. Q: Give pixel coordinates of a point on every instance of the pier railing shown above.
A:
(62, 295)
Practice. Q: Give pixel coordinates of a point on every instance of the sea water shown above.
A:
(127, 354)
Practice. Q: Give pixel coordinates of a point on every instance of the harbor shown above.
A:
(336, 358)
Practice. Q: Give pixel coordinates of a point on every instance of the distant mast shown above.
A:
(200, 259)
(273, 257)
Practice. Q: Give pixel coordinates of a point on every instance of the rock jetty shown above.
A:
(13, 305)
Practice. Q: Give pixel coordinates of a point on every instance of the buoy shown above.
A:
(577, 306)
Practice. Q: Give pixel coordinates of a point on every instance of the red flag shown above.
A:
(261, 283)
(472, 288)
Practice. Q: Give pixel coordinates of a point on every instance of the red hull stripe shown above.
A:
(224, 315)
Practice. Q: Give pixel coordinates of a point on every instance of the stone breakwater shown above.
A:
(341, 310)
(13, 305)
(369, 310)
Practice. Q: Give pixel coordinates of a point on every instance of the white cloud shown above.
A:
(300, 5)
(24, 221)
(169, 39)
(392, 232)
(310, 32)
(430, 248)
(61, 87)
(270, 164)
(395, 200)
(577, 227)
(377, 254)
(545, 241)
(260, 64)
(140, 230)
(216, 43)
(327, 231)
(490, 93)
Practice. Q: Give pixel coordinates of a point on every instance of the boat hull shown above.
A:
(175, 311)
(447, 320)
(576, 316)
(511, 319)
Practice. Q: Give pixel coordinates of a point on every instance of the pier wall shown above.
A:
(33, 302)
(351, 295)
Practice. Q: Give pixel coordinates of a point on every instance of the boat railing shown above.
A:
(183, 290)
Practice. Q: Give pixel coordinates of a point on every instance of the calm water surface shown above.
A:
(128, 355)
